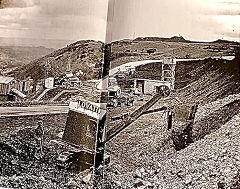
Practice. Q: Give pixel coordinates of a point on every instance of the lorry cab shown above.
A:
(114, 91)
(116, 97)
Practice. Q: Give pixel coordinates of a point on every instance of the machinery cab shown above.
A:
(84, 132)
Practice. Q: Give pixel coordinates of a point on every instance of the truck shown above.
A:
(118, 98)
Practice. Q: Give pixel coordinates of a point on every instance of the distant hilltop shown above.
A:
(225, 41)
(171, 39)
(180, 39)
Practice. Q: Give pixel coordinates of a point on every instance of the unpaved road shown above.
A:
(33, 110)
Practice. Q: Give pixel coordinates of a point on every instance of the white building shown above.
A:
(147, 86)
(49, 83)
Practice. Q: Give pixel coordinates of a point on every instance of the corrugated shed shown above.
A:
(5, 80)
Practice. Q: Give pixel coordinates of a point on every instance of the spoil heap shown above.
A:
(207, 80)
(212, 84)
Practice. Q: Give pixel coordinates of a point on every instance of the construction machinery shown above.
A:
(134, 116)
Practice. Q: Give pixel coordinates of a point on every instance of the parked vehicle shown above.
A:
(117, 98)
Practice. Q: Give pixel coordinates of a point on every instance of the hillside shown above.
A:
(143, 48)
(171, 39)
(86, 56)
(12, 57)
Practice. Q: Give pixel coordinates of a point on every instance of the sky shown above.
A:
(54, 19)
(204, 20)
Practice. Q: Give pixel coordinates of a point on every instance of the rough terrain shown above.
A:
(144, 155)
(21, 164)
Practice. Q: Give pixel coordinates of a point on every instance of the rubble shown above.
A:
(20, 168)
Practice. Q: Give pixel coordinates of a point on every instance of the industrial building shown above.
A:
(11, 88)
(149, 87)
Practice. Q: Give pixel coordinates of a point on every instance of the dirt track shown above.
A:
(35, 110)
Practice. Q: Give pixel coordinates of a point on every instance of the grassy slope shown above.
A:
(85, 55)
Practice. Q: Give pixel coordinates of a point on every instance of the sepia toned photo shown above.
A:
(120, 94)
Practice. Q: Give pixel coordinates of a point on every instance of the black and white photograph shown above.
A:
(120, 94)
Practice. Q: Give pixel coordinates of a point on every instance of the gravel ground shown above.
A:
(204, 164)
(143, 156)
(19, 165)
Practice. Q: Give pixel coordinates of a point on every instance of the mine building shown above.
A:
(149, 87)
(151, 81)
(146, 76)
(10, 88)
(6, 84)
(27, 85)
(49, 83)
